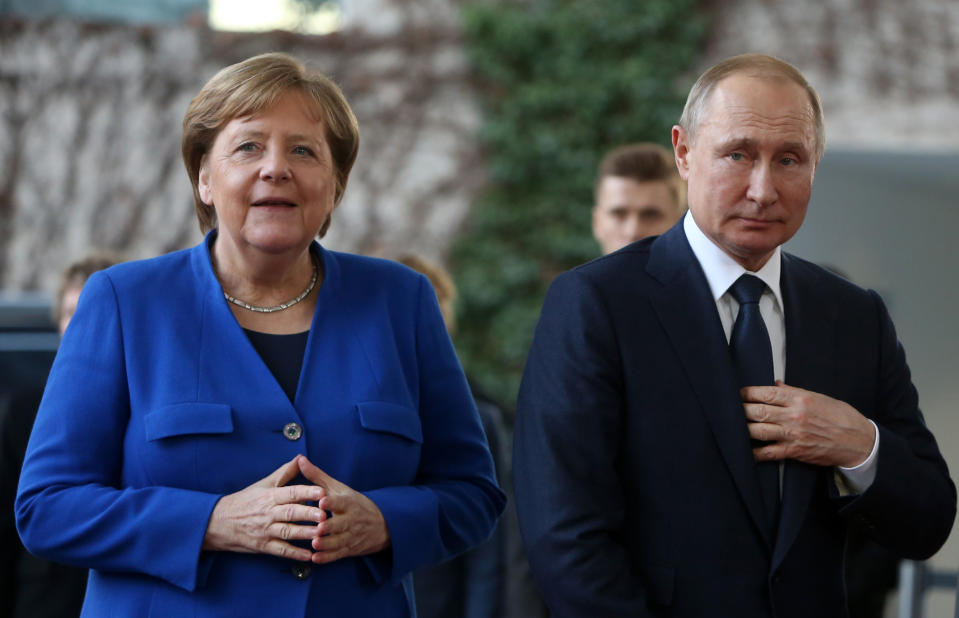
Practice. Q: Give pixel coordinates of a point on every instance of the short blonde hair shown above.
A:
(759, 66)
(249, 87)
(644, 162)
(442, 284)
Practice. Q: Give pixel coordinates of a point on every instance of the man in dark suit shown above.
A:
(655, 473)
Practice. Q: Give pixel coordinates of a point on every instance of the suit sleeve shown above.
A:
(569, 492)
(73, 505)
(455, 501)
(911, 505)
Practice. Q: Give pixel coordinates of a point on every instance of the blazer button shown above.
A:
(300, 571)
(292, 431)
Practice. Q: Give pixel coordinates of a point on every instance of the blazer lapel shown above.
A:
(810, 322)
(224, 345)
(688, 314)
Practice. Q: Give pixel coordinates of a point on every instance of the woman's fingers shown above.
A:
(313, 473)
(298, 513)
(285, 550)
(281, 476)
(263, 517)
(292, 494)
(286, 531)
(269, 515)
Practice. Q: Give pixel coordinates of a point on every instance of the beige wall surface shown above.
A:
(90, 118)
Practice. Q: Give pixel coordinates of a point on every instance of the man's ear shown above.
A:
(594, 215)
(681, 151)
(203, 183)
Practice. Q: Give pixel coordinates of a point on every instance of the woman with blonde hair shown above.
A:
(258, 426)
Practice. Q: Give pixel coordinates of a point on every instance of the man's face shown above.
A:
(750, 166)
(627, 210)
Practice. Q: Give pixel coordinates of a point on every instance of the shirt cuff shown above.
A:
(856, 480)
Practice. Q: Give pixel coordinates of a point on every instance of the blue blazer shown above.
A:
(635, 483)
(157, 405)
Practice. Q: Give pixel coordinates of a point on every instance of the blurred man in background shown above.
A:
(638, 193)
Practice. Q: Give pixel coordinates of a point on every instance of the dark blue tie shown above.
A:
(753, 358)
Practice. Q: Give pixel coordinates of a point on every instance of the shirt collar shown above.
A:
(721, 270)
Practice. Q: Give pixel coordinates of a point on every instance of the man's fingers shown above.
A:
(763, 413)
(766, 432)
(779, 395)
(770, 452)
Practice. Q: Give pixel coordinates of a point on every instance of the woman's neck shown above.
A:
(259, 284)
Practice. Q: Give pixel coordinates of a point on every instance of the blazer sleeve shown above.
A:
(569, 491)
(455, 501)
(73, 504)
(911, 505)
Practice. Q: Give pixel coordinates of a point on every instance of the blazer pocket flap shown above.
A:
(391, 418)
(188, 418)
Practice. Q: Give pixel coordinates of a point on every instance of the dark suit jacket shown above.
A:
(635, 483)
(30, 587)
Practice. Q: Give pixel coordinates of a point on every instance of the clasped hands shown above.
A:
(267, 515)
(806, 426)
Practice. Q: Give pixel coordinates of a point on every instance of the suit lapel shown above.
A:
(688, 314)
(810, 322)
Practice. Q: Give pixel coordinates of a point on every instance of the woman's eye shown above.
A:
(737, 156)
(247, 147)
(303, 150)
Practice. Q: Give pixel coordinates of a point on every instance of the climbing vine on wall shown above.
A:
(562, 81)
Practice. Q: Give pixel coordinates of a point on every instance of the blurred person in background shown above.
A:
(31, 587)
(258, 426)
(471, 584)
(71, 284)
(638, 193)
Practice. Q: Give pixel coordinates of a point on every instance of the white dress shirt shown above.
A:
(721, 272)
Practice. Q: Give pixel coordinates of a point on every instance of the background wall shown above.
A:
(90, 118)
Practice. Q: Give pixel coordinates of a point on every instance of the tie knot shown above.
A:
(747, 289)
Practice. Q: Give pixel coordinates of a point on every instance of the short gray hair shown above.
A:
(759, 66)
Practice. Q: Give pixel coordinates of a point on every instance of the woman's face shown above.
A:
(270, 178)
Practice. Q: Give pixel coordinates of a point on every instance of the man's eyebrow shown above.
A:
(735, 143)
(795, 147)
(746, 143)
